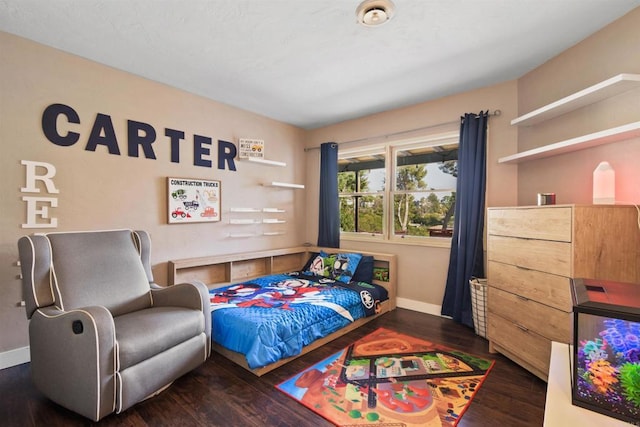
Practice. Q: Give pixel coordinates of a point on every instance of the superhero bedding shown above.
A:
(273, 317)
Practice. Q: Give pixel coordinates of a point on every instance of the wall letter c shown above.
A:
(49, 119)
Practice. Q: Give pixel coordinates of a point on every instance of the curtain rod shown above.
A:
(494, 113)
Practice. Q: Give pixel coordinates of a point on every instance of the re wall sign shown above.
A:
(38, 215)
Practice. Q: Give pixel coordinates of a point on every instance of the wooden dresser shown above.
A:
(533, 251)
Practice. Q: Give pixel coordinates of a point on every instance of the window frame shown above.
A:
(361, 235)
(390, 151)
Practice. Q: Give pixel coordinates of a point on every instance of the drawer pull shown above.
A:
(522, 298)
(524, 268)
(522, 328)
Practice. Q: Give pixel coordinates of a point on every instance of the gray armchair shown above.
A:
(103, 336)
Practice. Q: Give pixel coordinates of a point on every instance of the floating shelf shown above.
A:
(273, 233)
(266, 162)
(245, 210)
(283, 184)
(242, 235)
(273, 210)
(238, 221)
(273, 221)
(605, 89)
(607, 136)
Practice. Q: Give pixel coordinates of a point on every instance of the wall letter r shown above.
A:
(31, 177)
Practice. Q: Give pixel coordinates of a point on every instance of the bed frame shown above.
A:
(222, 270)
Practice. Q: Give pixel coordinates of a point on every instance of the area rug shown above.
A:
(390, 379)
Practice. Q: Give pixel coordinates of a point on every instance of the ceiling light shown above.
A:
(371, 13)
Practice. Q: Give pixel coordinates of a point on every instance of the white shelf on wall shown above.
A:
(242, 235)
(273, 210)
(608, 136)
(239, 221)
(273, 221)
(273, 233)
(283, 184)
(266, 162)
(245, 210)
(605, 89)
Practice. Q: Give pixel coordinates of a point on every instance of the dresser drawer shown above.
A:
(530, 347)
(548, 289)
(546, 321)
(541, 255)
(545, 223)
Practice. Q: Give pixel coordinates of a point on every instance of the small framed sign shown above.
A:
(193, 200)
(251, 148)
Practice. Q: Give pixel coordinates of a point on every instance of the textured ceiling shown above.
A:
(307, 62)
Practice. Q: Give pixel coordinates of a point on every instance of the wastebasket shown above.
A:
(479, 305)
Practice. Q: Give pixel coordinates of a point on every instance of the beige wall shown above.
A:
(102, 191)
(611, 51)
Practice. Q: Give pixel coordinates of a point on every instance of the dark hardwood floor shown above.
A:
(220, 393)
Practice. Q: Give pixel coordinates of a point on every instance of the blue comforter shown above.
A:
(273, 317)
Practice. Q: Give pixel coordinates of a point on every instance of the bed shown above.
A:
(270, 307)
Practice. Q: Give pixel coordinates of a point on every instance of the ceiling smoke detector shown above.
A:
(371, 13)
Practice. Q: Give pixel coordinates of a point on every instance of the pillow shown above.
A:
(345, 265)
(364, 272)
(339, 266)
(321, 265)
(309, 261)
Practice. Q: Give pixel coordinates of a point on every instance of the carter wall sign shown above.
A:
(58, 121)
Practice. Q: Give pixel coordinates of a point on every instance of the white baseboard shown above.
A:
(14, 357)
(422, 307)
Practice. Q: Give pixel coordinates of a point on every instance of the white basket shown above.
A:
(479, 305)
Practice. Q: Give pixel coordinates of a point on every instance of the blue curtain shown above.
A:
(467, 257)
(329, 216)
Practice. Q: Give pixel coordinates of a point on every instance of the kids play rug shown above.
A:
(390, 379)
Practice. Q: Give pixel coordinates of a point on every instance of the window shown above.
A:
(361, 190)
(419, 203)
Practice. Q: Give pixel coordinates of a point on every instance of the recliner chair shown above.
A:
(103, 336)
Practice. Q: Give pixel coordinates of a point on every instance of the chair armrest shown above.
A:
(194, 295)
(73, 358)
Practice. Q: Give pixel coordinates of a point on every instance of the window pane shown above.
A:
(362, 181)
(424, 214)
(361, 214)
(346, 182)
(369, 214)
(375, 180)
(423, 176)
(362, 172)
(424, 197)
(347, 214)
(361, 187)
